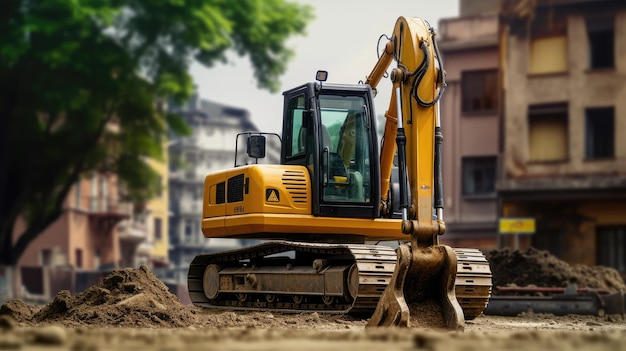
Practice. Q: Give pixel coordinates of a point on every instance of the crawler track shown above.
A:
(351, 279)
(473, 281)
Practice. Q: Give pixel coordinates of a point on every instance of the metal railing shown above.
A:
(105, 204)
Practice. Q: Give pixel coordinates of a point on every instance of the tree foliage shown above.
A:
(71, 69)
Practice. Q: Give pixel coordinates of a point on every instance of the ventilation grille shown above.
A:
(295, 182)
(220, 193)
(235, 188)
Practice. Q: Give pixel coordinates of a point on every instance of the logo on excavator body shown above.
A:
(271, 195)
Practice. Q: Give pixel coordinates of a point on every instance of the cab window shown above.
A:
(345, 142)
(295, 133)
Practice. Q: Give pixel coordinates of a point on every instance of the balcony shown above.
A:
(132, 231)
(471, 32)
(184, 143)
(185, 205)
(188, 176)
(145, 247)
(106, 212)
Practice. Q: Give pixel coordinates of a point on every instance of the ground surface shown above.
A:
(132, 309)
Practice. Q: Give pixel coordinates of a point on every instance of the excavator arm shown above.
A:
(418, 83)
(425, 270)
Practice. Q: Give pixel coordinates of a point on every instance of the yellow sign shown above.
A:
(517, 225)
(271, 195)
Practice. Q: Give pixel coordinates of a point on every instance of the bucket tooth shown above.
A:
(392, 309)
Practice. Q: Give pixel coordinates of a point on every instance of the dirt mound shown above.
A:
(533, 267)
(19, 310)
(126, 298)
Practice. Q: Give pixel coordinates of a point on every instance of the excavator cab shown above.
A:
(330, 129)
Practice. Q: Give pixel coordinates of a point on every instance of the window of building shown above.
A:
(599, 133)
(104, 193)
(548, 132)
(479, 175)
(479, 91)
(188, 229)
(190, 158)
(175, 162)
(79, 258)
(611, 247)
(77, 195)
(159, 189)
(45, 258)
(601, 34)
(548, 45)
(190, 173)
(93, 206)
(173, 234)
(548, 55)
(158, 234)
(552, 240)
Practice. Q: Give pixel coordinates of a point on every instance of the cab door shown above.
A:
(300, 144)
(348, 150)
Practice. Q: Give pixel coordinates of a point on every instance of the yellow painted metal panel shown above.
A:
(269, 189)
(281, 225)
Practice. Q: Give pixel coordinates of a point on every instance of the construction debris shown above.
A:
(534, 280)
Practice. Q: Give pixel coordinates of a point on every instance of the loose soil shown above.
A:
(537, 268)
(132, 309)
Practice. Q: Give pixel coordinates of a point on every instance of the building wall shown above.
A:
(58, 244)
(80, 240)
(465, 136)
(467, 44)
(566, 228)
(579, 87)
(157, 208)
(77, 228)
(478, 7)
(574, 198)
(209, 148)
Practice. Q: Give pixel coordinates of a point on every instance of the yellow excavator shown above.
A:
(323, 213)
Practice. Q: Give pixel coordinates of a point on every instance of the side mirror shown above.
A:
(256, 146)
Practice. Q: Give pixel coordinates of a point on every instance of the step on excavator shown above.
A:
(324, 215)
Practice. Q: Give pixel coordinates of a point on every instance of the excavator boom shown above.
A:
(425, 269)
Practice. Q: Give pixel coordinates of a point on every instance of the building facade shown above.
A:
(95, 231)
(210, 147)
(534, 121)
(154, 250)
(470, 114)
(564, 127)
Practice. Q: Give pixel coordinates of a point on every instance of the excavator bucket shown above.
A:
(421, 290)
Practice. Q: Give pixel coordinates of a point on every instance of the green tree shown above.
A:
(69, 69)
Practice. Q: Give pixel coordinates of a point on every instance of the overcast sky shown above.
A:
(342, 40)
